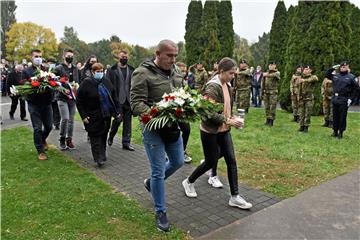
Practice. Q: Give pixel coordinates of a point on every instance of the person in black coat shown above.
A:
(120, 76)
(16, 78)
(86, 70)
(256, 85)
(97, 103)
(344, 83)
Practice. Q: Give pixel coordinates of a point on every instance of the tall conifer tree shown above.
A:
(193, 44)
(226, 30)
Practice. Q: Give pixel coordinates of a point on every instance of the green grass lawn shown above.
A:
(279, 159)
(57, 199)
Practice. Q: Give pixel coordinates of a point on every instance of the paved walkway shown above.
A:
(328, 211)
(126, 171)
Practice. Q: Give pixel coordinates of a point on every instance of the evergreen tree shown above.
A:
(193, 26)
(226, 30)
(278, 36)
(355, 40)
(209, 38)
(7, 18)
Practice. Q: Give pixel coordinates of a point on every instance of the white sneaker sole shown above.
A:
(187, 194)
(241, 207)
(209, 182)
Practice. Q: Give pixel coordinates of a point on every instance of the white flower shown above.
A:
(163, 104)
(179, 101)
(13, 90)
(43, 74)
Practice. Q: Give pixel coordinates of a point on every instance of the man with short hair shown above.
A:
(148, 84)
(344, 83)
(269, 90)
(294, 91)
(39, 106)
(16, 78)
(243, 86)
(120, 76)
(256, 86)
(307, 84)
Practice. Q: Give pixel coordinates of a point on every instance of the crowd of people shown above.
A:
(107, 97)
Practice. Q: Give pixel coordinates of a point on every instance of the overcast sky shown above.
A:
(139, 22)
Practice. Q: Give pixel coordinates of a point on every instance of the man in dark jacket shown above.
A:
(39, 106)
(120, 77)
(256, 86)
(344, 84)
(16, 78)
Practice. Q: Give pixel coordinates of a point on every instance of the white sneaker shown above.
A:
(189, 188)
(215, 182)
(187, 158)
(208, 173)
(238, 201)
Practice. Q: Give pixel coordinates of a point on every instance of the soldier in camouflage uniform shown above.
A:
(243, 86)
(294, 90)
(327, 92)
(306, 97)
(201, 77)
(269, 88)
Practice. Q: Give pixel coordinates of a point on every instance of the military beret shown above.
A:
(272, 62)
(344, 63)
(308, 66)
(243, 61)
(299, 66)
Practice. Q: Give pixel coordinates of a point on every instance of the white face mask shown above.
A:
(37, 61)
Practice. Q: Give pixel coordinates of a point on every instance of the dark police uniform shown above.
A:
(343, 85)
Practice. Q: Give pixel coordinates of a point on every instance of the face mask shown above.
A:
(123, 61)
(52, 66)
(69, 59)
(98, 75)
(37, 61)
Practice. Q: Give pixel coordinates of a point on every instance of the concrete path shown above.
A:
(328, 211)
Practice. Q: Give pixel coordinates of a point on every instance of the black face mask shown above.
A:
(69, 59)
(123, 61)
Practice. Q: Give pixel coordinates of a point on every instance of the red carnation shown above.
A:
(172, 98)
(179, 112)
(63, 79)
(35, 83)
(145, 118)
(154, 111)
(52, 83)
(206, 97)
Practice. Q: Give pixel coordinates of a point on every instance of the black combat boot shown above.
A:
(340, 136)
(267, 121)
(335, 134)
(306, 128)
(330, 125)
(271, 122)
(295, 118)
(246, 110)
(301, 129)
(326, 123)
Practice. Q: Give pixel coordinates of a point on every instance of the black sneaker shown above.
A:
(162, 222)
(147, 184)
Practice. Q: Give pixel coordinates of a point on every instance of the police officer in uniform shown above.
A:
(343, 85)
(270, 92)
(307, 86)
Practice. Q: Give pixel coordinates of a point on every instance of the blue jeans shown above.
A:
(40, 115)
(161, 168)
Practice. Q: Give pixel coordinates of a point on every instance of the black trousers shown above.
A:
(56, 113)
(185, 130)
(98, 144)
(339, 116)
(126, 120)
(213, 146)
(14, 102)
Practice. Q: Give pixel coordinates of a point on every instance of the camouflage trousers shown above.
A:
(243, 99)
(327, 109)
(270, 101)
(295, 104)
(305, 110)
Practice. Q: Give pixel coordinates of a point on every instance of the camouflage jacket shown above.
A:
(243, 80)
(294, 84)
(201, 78)
(307, 87)
(326, 89)
(271, 82)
